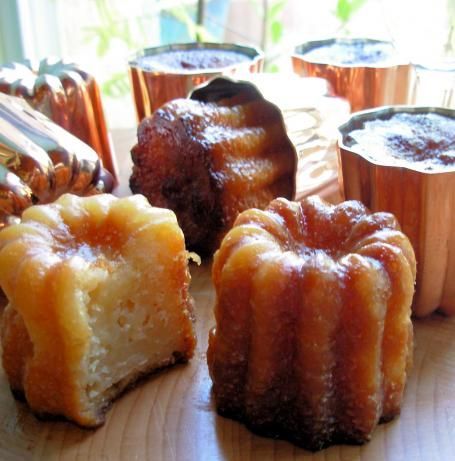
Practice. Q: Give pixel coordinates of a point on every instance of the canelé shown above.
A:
(313, 338)
(208, 160)
(98, 297)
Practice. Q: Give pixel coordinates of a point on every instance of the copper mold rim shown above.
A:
(302, 49)
(240, 91)
(364, 84)
(256, 57)
(153, 88)
(422, 201)
(357, 120)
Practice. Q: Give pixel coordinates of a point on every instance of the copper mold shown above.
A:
(422, 201)
(364, 86)
(66, 94)
(153, 88)
(39, 161)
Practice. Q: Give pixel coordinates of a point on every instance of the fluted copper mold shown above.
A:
(39, 161)
(422, 201)
(67, 95)
(153, 88)
(363, 85)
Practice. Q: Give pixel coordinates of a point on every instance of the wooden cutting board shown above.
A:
(171, 415)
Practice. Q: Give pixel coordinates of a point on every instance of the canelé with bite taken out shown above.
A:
(98, 297)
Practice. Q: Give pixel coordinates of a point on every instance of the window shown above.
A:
(102, 34)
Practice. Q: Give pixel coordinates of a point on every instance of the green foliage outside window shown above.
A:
(132, 33)
(345, 9)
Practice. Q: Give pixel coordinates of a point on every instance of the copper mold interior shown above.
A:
(423, 203)
(225, 91)
(364, 86)
(66, 94)
(39, 160)
(153, 88)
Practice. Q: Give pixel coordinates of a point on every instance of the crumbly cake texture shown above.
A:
(210, 161)
(313, 337)
(98, 297)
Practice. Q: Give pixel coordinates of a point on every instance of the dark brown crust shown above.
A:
(302, 348)
(176, 165)
(226, 91)
(178, 178)
(310, 444)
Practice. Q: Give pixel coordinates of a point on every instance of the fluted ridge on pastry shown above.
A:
(98, 292)
(313, 338)
(208, 162)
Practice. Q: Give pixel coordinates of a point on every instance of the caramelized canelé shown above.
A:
(98, 296)
(313, 338)
(210, 161)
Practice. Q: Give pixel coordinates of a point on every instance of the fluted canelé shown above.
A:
(313, 338)
(211, 158)
(98, 296)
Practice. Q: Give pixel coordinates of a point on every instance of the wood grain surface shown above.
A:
(171, 415)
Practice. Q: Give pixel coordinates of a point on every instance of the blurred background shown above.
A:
(102, 34)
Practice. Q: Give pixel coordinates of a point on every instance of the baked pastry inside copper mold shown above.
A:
(191, 59)
(425, 141)
(401, 159)
(163, 73)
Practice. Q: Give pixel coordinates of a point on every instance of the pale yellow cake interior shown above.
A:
(115, 278)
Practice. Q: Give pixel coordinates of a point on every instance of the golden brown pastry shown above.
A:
(313, 338)
(208, 161)
(98, 297)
